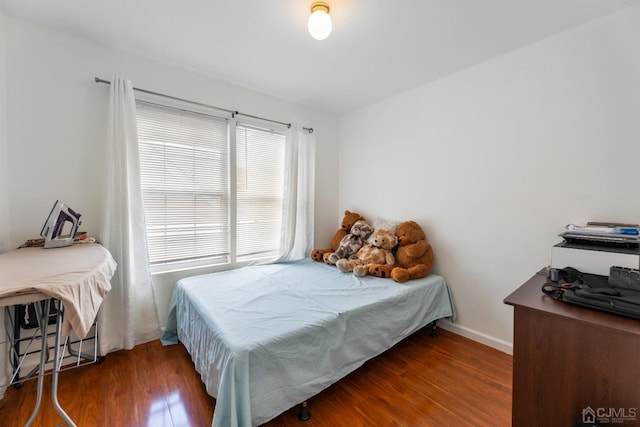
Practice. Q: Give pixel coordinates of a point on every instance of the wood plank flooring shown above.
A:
(422, 381)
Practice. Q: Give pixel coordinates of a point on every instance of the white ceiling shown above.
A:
(378, 48)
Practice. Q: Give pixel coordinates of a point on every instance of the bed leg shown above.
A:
(434, 329)
(304, 413)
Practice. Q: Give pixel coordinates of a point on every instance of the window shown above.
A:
(260, 176)
(198, 209)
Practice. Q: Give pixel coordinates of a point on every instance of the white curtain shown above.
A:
(128, 315)
(299, 194)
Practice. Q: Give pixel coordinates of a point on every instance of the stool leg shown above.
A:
(56, 370)
(43, 314)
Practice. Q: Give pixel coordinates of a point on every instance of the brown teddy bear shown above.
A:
(377, 251)
(414, 257)
(322, 255)
(352, 242)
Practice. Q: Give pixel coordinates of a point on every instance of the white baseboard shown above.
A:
(474, 335)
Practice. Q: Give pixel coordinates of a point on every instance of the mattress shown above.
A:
(265, 338)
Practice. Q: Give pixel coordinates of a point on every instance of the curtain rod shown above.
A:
(233, 113)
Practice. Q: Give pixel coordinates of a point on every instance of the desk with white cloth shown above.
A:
(77, 276)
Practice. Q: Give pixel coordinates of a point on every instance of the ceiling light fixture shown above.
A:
(319, 22)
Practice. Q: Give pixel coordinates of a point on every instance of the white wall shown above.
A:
(57, 116)
(4, 191)
(4, 188)
(495, 160)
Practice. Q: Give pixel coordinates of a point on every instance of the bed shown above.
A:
(266, 338)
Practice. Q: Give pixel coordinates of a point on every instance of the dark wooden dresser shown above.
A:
(571, 363)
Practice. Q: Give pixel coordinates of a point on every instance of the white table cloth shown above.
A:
(78, 275)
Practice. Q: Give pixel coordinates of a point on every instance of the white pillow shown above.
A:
(385, 223)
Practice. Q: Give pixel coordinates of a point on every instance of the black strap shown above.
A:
(568, 278)
(556, 290)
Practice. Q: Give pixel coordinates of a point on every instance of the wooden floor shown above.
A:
(422, 381)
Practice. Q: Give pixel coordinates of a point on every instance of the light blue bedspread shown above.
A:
(266, 338)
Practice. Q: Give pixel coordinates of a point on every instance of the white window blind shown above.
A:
(184, 165)
(260, 180)
(193, 203)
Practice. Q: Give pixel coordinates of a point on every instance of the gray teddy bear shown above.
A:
(352, 242)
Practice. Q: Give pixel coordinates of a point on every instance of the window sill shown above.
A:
(194, 268)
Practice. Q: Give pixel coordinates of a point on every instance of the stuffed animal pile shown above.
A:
(378, 251)
(350, 250)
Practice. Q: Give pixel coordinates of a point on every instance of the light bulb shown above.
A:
(319, 22)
